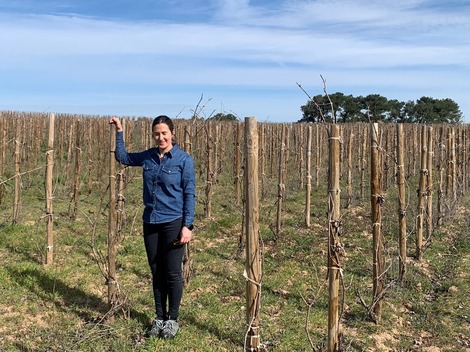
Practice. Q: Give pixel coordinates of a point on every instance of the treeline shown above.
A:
(374, 107)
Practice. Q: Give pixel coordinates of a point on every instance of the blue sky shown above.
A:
(152, 57)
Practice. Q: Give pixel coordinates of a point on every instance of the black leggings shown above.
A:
(165, 260)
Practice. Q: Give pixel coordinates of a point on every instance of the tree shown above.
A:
(430, 110)
(375, 107)
(407, 113)
(224, 117)
(450, 110)
(424, 110)
(395, 109)
(351, 110)
(316, 109)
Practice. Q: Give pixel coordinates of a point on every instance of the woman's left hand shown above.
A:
(186, 235)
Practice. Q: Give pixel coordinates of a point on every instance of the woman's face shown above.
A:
(162, 137)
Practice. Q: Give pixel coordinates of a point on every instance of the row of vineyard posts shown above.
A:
(71, 157)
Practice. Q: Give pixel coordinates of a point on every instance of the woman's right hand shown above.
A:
(115, 121)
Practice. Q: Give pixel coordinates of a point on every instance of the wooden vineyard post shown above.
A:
(272, 139)
(286, 150)
(27, 132)
(308, 183)
(335, 249)
(401, 201)
(440, 178)
(49, 190)
(363, 162)
(460, 164)
(453, 163)
(238, 179)
(350, 152)
(384, 161)
(465, 159)
(209, 172)
(2, 155)
(318, 141)
(148, 132)
(253, 260)
(300, 152)
(421, 194)
(429, 181)
(215, 154)
(187, 255)
(59, 126)
(121, 182)
(187, 139)
(16, 204)
(90, 166)
(376, 200)
(3, 145)
(111, 278)
(415, 147)
(280, 185)
(263, 154)
(68, 166)
(237, 164)
(449, 165)
(73, 206)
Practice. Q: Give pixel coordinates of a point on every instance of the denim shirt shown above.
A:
(169, 184)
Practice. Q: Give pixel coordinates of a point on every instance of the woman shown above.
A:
(169, 199)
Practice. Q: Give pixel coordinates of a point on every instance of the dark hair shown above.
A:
(163, 119)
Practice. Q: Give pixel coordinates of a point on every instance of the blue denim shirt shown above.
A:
(169, 188)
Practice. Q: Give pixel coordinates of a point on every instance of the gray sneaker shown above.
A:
(157, 327)
(170, 329)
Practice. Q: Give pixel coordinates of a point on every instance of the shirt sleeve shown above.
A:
(189, 191)
(122, 156)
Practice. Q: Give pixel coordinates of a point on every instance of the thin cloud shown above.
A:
(55, 35)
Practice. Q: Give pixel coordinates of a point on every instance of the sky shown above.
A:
(151, 57)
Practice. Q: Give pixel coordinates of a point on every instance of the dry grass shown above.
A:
(61, 308)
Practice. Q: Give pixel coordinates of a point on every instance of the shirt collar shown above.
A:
(172, 150)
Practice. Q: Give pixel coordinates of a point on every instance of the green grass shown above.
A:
(61, 307)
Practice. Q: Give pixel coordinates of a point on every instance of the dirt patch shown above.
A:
(384, 341)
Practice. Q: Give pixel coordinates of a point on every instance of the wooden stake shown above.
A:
(49, 192)
(449, 174)
(299, 139)
(263, 155)
(335, 249)
(376, 207)
(429, 181)
(421, 193)
(111, 278)
(237, 165)
(3, 144)
(253, 262)
(16, 203)
(308, 183)
(401, 201)
(440, 180)
(209, 172)
(453, 167)
(187, 265)
(318, 141)
(350, 153)
(90, 166)
(73, 206)
(363, 162)
(280, 184)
